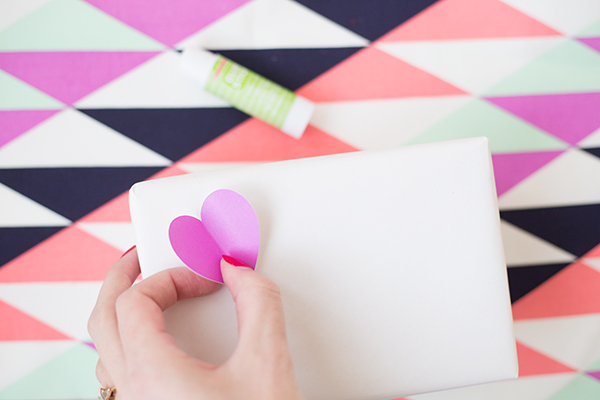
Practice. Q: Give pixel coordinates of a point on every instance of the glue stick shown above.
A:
(248, 91)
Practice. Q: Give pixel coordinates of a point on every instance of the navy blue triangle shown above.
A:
(172, 132)
(73, 192)
(369, 18)
(575, 229)
(14, 241)
(523, 280)
(290, 68)
(595, 151)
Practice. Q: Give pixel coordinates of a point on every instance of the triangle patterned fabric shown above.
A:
(91, 102)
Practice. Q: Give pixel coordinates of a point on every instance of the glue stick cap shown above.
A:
(298, 117)
(198, 64)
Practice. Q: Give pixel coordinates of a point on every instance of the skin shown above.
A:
(140, 359)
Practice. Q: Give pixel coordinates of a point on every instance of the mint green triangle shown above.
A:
(569, 67)
(580, 388)
(507, 134)
(590, 31)
(17, 95)
(73, 25)
(68, 376)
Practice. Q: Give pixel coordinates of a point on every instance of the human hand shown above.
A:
(140, 359)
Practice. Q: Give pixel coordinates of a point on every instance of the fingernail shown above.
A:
(133, 247)
(234, 261)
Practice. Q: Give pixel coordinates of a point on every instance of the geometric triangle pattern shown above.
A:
(68, 76)
(370, 19)
(264, 24)
(171, 132)
(574, 229)
(465, 19)
(570, 117)
(291, 68)
(522, 280)
(73, 192)
(92, 101)
(473, 65)
(58, 24)
(14, 123)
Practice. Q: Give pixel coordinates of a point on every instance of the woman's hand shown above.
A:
(140, 359)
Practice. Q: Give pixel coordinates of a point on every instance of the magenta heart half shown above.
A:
(228, 226)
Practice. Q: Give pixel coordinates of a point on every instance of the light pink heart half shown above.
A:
(228, 226)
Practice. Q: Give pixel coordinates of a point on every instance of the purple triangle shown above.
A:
(570, 117)
(69, 76)
(168, 21)
(14, 123)
(594, 374)
(510, 169)
(594, 43)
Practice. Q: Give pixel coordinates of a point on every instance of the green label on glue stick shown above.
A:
(250, 92)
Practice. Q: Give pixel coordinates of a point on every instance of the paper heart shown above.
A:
(228, 226)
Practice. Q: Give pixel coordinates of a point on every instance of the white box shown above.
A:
(390, 265)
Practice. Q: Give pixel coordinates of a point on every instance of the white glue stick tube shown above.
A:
(248, 91)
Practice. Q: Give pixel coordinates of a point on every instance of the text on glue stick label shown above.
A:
(250, 92)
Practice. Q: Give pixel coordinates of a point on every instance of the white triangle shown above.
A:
(471, 65)
(592, 262)
(206, 167)
(22, 357)
(591, 141)
(20, 211)
(117, 234)
(12, 11)
(573, 340)
(538, 387)
(381, 124)
(566, 16)
(521, 248)
(273, 24)
(573, 178)
(65, 306)
(72, 139)
(157, 83)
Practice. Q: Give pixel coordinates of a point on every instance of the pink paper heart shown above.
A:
(228, 226)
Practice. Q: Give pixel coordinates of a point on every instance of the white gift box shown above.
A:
(390, 265)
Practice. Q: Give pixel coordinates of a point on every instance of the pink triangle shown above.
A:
(20, 326)
(69, 76)
(468, 19)
(168, 21)
(13, 123)
(532, 362)
(594, 43)
(570, 117)
(574, 290)
(510, 169)
(117, 209)
(373, 74)
(253, 140)
(69, 255)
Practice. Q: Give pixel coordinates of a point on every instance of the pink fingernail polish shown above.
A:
(133, 247)
(234, 261)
